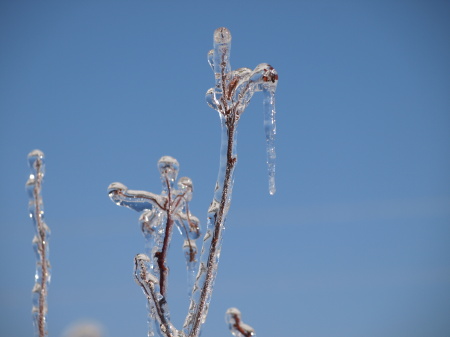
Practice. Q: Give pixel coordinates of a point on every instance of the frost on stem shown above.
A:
(40, 242)
(159, 214)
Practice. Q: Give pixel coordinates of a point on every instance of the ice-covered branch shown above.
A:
(159, 214)
(230, 96)
(232, 93)
(40, 242)
(237, 327)
(156, 305)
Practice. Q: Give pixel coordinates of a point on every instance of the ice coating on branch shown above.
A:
(230, 96)
(235, 324)
(234, 90)
(40, 242)
(149, 285)
(221, 57)
(222, 35)
(135, 200)
(159, 214)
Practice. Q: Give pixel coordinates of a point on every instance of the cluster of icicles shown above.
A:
(159, 212)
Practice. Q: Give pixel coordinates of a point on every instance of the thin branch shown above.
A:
(40, 241)
(147, 282)
(218, 227)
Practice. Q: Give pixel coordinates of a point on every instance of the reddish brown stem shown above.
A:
(218, 227)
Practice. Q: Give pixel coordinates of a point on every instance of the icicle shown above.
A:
(265, 79)
(189, 227)
(270, 131)
(152, 227)
(40, 242)
(190, 253)
(235, 324)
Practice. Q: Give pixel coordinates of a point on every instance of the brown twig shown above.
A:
(218, 227)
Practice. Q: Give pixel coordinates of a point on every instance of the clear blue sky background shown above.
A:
(356, 242)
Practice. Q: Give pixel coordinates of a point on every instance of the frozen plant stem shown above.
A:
(159, 214)
(40, 242)
(229, 97)
(232, 93)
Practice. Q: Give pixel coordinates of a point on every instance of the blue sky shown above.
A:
(356, 240)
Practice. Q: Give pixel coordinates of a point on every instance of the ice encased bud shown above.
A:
(168, 167)
(36, 161)
(222, 35)
(264, 76)
(187, 187)
(114, 191)
(116, 187)
(235, 324)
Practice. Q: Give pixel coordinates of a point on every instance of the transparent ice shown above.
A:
(237, 327)
(230, 96)
(159, 214)
(40, 242)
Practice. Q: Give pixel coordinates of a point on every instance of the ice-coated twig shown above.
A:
(40, 242)
(147, 282)
(230, 96)
(232, 93)
(237, 327)
(159, 213)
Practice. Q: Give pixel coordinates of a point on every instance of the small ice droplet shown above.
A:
(211, 58)
(222, 35)
(194, 227)
(150, 222)
(168, 167)
(36, 288)
(211, 99)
